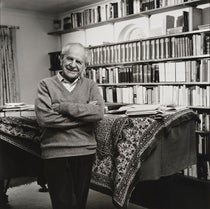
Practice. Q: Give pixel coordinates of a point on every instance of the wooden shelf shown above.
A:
(199, 108)
(132, 16)
(184, 177)
(203, 133)
(157, 84)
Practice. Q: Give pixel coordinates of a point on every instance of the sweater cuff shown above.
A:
(56, 107)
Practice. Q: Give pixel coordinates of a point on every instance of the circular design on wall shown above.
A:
(131, 32)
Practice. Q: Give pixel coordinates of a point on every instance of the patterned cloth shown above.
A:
(22, 132)
(123, 144)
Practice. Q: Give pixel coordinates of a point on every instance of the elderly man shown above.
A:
(67, 107)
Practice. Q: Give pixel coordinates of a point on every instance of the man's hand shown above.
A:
(56, 107)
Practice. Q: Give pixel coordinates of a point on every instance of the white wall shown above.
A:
(206, 15)
(77, 36)
(33, 45)
(106, 33)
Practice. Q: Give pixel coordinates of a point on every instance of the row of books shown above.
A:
(204, 145)
(124, 74)
(202, 169)
(191, 171)
(204, 124)
(96, 14)
(136, 6)
(163, 3)
(112, 9)
(176, 95)
(186, 71)
(160, 48)
(197, 172)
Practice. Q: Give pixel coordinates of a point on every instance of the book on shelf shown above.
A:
(195, 18)
(204, 27)
(57, 25)
(206, 44)
(170, 71)
(129, 6)
(115, 8)
(191, 171)
(109, 94)
(204, 124)
(180, 72)
(175, 30)
(180, 25)
(168, 22)
(67, 23)
(183, 21)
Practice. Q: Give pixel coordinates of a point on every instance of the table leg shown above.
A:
(3, 196)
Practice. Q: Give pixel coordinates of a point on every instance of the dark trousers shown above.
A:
(68, 181)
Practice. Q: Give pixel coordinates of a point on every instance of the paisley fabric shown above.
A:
(123, 143)
(22, 132)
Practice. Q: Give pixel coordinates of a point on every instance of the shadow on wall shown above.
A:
(131, 32)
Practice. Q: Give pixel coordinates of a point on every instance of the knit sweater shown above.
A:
(68, 118)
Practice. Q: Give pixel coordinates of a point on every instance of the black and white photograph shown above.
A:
(104, 104)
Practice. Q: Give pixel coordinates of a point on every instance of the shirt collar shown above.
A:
(63, 80)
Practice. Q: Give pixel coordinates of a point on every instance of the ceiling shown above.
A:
(46, 6)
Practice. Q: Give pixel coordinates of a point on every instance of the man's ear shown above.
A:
(61, 58)
(83, 72)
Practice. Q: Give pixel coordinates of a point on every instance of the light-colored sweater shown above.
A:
(68, 118)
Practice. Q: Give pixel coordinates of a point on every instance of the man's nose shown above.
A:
(73, 63)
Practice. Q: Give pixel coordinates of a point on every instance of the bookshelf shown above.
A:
(181, 46)
(122, 15)
(179, 73)
(182, 78)
(159, 69)
(203, 144)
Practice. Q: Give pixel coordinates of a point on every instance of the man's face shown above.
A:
(73, 63)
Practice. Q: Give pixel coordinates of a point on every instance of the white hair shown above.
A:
(68, 47)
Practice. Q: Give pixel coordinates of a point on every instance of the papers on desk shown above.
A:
(19, 106)
(147, 109)
(143, 110)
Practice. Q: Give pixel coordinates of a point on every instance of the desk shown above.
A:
(130, 150)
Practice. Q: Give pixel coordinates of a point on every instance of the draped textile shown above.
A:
(22, 132)
(9, 91)
(123, 143)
